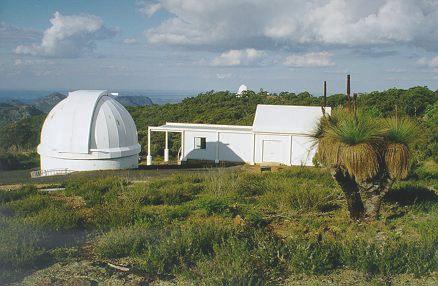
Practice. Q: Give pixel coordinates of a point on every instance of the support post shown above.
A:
(166, 148)
(149, 156)
(183, 146)
(216, 159)
(253, 149)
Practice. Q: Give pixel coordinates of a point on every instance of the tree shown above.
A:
(366, 155)
(431, 121)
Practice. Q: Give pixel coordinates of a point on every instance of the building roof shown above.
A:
(88, 123)
(287, 118)
(178, 127)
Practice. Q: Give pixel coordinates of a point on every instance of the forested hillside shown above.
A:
(227, 108)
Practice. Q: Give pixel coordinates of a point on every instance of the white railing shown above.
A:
(53, 172)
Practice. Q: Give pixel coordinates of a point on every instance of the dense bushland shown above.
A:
(221, 227)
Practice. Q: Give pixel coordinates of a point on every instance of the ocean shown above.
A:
(157, 96)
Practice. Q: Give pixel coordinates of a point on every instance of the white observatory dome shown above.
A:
(242, 88)
(88, 130)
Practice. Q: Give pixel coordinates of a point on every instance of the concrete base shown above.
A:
(52, 163)
(148, 160)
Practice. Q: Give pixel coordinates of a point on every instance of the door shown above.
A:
(272, 151)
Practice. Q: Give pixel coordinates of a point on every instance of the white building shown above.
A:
(88, 130)
(278, 135)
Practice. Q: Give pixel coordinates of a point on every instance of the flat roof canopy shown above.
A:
(179, 127)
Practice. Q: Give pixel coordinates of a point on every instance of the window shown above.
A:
(200, 143)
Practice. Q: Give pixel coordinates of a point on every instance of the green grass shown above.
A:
(220, 227)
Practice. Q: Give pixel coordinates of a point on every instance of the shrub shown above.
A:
(164, 250)
(230, 265)
(313, 256)
(248, 260)
(12, 195)
(97, 191)
(29, 205)
(221, 183)
(121, 212)
(165, 193)
(215, 205)
(18, 160)
(161, 214)
(251, 185)
(19, 243)
(394, 256)
(304, 196)
(124, 241)
(428, 169)
(56, 218)
(253, 217)
(181, 246)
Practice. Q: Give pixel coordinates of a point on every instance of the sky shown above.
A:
(198, 45)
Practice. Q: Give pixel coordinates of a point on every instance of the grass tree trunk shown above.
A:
(372, 193)
(351, 192)
(363, 199)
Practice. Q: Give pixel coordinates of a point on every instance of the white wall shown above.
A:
(235, 147)
(52, 163)
(189, 145)
(270, 148)
(232, 147)
(303, 151)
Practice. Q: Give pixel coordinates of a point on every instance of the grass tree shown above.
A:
(366, 155)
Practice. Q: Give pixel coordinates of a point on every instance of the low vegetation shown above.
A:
(221, 227)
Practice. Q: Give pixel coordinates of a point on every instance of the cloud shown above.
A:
(290, 23)
(130, 41)
(321, 59)
(431, 63)
(148, 8)
(396, 70)
(16, 35)
(237, 57)
(223, 75)
(69, 36)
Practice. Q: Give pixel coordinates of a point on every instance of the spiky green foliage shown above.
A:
(401, 130)
(352, 129)
(350, 140)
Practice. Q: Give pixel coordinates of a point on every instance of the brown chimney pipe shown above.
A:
(348, 91)
(325, 94)
(324, 100)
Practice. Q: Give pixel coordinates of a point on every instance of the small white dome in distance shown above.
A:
(242, 88)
